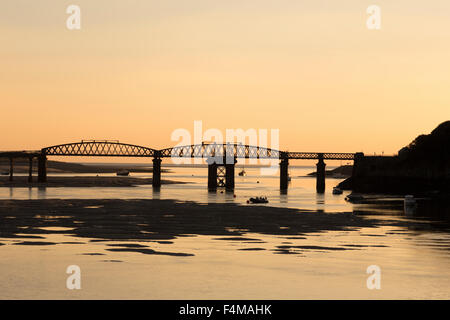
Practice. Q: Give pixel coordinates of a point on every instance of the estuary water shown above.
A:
(301, 192)
(410, 247)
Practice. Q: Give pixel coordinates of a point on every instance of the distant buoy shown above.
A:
(248, 201)
(234, 196)
(257, 181)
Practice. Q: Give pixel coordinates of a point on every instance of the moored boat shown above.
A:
(258, 200)
(336, 190)
(123, 173)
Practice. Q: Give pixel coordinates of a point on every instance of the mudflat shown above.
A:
(165, 220)
(85, 181)
(168, 249)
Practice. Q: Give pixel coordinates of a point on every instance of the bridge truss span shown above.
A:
(317, 155)
(99, 148)
(221, 150)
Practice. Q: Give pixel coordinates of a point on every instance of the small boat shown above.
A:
(336, 190)
(4, 173)
(258, 200)
(354, 197)
(242, 173)
(409, 200)
(123, 173)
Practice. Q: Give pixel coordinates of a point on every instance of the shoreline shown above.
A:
(53, 166)
(79, 182)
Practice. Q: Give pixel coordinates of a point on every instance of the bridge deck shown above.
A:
(105, 148)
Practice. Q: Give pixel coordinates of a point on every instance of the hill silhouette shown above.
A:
(421, 167)
(435, 145)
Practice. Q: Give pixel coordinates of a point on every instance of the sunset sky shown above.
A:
(138, 70)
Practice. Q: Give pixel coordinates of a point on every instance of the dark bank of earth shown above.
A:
(21, 166)
(82, 182)
(339, 172)
(421, 168)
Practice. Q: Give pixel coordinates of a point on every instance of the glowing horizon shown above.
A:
(137, 71)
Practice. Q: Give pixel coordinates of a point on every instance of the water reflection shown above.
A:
(42, 193)
(301, 193)
(249, 243)
(156, 193)
(301, 190)
(284, 197)
(410, 210)
(320, 199)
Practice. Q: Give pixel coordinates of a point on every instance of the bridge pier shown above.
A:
(212, 174)
(356, 163)
(320, 175)
(42, 168)
(221, 175)
(156, 182)
(30, 169)
(229, 174)
(11, 169)
(284, 175)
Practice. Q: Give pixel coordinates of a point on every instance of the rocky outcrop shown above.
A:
(339, 172)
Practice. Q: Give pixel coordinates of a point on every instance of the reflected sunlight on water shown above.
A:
(301, 192)
(237, 262)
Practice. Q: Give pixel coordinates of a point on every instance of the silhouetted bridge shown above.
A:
(221, 158)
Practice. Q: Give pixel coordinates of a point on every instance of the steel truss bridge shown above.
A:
(220, 168)
(116, 149)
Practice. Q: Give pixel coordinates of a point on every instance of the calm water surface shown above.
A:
(414, 258)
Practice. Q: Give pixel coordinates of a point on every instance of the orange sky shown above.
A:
(138, 70)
